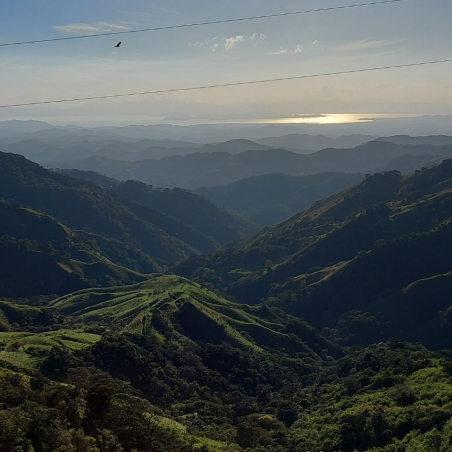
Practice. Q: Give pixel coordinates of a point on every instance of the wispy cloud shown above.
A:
(95, 27)
(232, 42)
(229, 43)
(366, 44)
(199, 44)
(298, 49)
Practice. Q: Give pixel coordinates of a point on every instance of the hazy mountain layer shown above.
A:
(212, 169)
(312, 143)
(270, 199)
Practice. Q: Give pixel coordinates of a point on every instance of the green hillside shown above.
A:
(41, 256)
(27, 352)
(173, 305)
(85, 206)
(193, 210)
(337, 263)
(26, 317)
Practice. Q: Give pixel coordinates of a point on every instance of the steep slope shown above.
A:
(28, 269)
(85, 206)
(270, 199)
(348, 255)
(407, 164)
(193, 210)
(41, 256)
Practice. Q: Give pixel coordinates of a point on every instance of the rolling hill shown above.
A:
(170, 305)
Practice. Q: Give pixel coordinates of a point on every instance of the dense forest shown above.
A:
(141, 319)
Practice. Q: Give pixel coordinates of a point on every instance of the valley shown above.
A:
(292, 310)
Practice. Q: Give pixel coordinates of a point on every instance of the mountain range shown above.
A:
(141, 319)
(221, 168)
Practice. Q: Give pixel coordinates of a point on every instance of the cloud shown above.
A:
(366, 44)
(279, 52)
(298, 49)
(258, 37)
(95, 27)
(232, 42)
(199, 44)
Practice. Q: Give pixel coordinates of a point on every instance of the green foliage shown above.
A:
(27, 351)
(387, 398)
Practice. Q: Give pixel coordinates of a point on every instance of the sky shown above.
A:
(401, 33)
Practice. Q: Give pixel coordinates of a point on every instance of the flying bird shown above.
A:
(118, 45)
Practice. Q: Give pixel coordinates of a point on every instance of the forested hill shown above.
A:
(269, 199)
(356, 263)
(194, 210)
(85, 206)
(41, 256)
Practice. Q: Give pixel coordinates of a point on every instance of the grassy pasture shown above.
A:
(27, 351)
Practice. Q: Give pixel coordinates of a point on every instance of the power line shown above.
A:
(224, 85)
(200, 24)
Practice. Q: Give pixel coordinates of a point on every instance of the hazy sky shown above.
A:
(410, 31)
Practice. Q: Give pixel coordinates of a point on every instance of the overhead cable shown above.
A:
(201, 24)
(225, 85)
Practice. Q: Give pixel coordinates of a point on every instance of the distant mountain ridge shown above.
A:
(309, 143)
(220, 168)
(269, 199)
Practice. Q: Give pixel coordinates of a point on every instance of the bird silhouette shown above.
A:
(118, 45)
